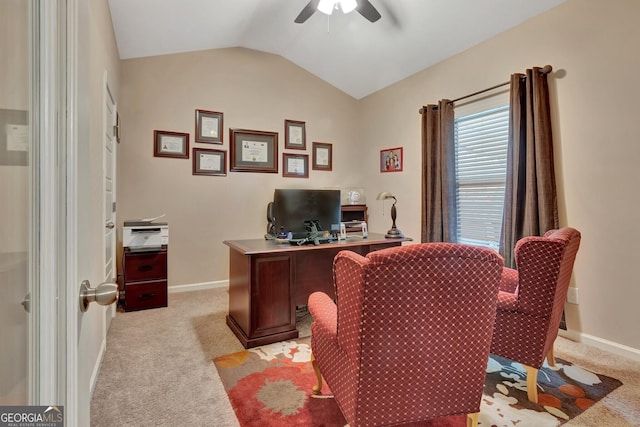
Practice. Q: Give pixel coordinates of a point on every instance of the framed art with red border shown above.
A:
(253, 151)
(322, 156)
(170, 144)
(295, 165)
(209, 125)
(209, 162)
(391, 160)
(295, 135)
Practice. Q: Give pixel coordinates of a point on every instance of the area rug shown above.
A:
(271, 386)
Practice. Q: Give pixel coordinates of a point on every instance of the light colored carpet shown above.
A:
(158, 369)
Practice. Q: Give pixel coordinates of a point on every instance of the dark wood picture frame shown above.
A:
(391, 160)
(170, 144)
(295, 165)
(295, 135)
(209, 162)
(322, 156)
(209, 127)
(253, 151)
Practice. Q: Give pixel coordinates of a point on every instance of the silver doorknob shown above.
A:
(103, 294)
(110, 225)
(26, 302)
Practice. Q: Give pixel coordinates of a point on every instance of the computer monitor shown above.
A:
(292, 208)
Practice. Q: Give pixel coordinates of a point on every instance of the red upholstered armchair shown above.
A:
(531, 301)
(409, 337)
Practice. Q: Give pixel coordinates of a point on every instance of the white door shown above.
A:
(33, 204)
(50, 207)
(111, 132)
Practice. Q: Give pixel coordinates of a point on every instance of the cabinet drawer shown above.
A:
(138, 296)
(145, 266)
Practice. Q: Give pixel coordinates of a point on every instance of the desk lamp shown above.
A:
(393, 232)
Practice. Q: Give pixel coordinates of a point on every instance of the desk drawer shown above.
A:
(145, 266)
(152, 294)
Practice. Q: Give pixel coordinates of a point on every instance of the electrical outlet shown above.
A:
(572, 296)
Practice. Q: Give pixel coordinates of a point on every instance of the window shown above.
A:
(481, 167)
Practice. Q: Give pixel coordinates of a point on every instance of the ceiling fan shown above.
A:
(364, 7)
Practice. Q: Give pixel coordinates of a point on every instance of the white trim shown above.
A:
(46, 210)
(70, 58)
(602, 344)
(198, 286)
(96, 367)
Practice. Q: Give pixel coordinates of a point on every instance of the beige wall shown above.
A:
(591, 45)
(14, 48)
(254, 90)
(14, 96)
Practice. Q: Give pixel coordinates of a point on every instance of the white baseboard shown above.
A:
(602, 344)
(96, 368)
(198, 286)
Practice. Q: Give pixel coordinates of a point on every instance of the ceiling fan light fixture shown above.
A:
(326, 6)
(348, 5)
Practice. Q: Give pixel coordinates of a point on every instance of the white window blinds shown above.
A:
(481, 164)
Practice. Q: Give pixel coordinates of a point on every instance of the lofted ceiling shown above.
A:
(347, 51)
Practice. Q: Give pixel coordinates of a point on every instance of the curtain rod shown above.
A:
(545, 70)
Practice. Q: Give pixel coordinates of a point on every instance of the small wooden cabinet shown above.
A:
(145, 279)
(354, 213)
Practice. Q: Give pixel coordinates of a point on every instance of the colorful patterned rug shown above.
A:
(271, 386)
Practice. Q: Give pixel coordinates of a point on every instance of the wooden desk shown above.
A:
(267, 280)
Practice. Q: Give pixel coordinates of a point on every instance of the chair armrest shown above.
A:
(324, 313)
(509, 280)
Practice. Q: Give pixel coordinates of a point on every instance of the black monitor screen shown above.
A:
(292, 207)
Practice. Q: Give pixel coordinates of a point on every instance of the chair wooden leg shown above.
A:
(317, 389)
(551, 360)
(472, 420)
(532, 384)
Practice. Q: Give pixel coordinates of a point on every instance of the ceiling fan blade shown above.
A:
(367, 10)
(308, 10)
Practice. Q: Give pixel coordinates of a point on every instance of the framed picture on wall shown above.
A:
(209, 125)
(391, 160)
(209, 162)
(322, 156)
(253, 151)
(295, 135)
(295, 165)
(170, 144)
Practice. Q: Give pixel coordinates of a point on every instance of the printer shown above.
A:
(145, 236)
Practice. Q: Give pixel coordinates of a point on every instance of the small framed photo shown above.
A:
(391, 160)
(253, 151)
(209, 125)
(170, 144)
(295, 135)
(322, 156)
(209, 162)
(295, 165)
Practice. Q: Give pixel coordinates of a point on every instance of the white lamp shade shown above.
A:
(348, 5)
(326, 6)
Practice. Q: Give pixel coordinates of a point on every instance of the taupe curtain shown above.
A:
(438, 173)
(530, 205)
